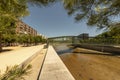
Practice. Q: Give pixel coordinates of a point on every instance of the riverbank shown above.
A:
(114, 50)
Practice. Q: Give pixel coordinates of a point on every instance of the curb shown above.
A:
(30, 58)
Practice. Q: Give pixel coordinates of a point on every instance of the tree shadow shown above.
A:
(5, 50)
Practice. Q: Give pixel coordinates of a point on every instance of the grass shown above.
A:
(16, 72)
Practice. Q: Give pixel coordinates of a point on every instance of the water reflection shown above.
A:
(63, 48)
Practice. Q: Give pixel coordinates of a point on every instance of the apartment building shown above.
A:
(23, 28)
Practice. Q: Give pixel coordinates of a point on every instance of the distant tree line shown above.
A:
(21, 39)
(111, 36)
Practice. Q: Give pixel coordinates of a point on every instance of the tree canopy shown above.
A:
(97, 12)
(113, 32)
(10, 12)
(41, 2)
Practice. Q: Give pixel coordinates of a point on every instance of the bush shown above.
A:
(15, 73)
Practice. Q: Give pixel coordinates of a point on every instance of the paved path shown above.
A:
(17, 57)
(54, 68)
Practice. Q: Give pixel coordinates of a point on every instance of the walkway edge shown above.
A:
(54, 68)
(30, 58)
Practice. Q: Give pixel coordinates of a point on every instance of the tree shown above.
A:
(37, 39)
(10, 12)
(41, 2)
(97, 12)
(111, 36)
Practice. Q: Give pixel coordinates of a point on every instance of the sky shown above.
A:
(54, 21)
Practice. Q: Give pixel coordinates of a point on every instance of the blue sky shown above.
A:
(53, 21)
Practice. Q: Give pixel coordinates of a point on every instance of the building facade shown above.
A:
(23, 28)
(83, 36)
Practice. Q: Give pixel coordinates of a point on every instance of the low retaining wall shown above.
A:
(53, 67)
(19, 57)
(27, 61)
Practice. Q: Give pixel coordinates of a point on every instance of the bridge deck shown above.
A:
(54, 68)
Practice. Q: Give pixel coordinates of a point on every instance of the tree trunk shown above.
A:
(0, 42)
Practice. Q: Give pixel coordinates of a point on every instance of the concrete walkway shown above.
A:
(17, 57)
(54, 68)
(36, 65)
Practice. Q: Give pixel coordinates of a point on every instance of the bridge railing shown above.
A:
(101, 41)
(89, 40)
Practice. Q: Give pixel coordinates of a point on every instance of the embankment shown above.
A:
(102, 48)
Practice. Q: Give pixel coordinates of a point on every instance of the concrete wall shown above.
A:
(53, 67)
(103, 48)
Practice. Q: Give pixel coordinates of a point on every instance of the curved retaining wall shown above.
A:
(110, 49)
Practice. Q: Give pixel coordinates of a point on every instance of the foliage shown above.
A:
(112, 36)
(41, 2)
(37, 39)
(97, 12)
(112, 32)
(26, 40)
(16, 73)
(10, 11)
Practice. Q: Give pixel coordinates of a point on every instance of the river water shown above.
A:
(90, 66)
(62, 49)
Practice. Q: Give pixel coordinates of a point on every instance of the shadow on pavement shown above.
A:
(5, 50)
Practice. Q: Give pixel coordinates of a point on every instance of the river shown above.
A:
(90, 66)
